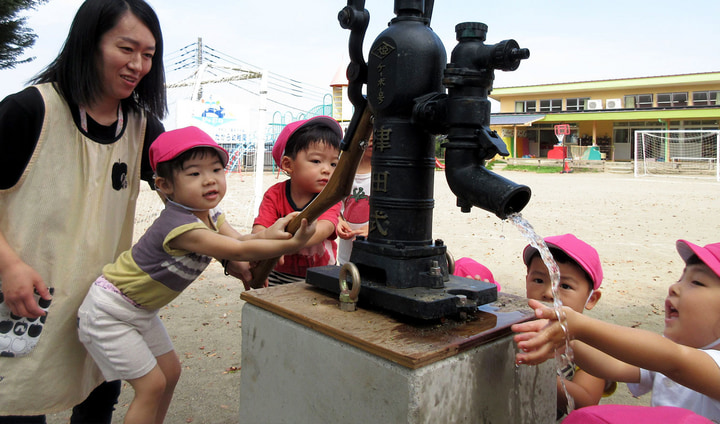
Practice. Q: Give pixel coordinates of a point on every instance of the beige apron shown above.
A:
(65, 219)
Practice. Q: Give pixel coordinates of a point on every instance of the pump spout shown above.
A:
(475, 185)
(471, 142)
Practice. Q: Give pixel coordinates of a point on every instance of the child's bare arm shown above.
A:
(275, 231)
(258, 228)
(209, 243)
(324, 230)
(585, 389)
(683, 364)
(600, 364)
(343, 229)
(228, 230)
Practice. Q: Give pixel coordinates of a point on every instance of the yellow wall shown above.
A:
(602, 128)
(507, 102)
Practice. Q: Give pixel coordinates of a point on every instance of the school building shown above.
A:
(604, 115)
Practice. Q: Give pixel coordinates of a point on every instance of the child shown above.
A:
(680, 367)
(118, 322)
(355, 210)
(470, 268)
(307, 151)
(580, 278)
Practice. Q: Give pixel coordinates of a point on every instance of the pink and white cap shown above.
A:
(709, 254)
(278, 150)
(171, 144)
(585, 255)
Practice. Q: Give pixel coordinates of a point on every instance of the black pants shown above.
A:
(96, 409)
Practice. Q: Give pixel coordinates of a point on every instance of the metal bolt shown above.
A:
(435, 269)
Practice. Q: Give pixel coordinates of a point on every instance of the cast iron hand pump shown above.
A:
(402, 268)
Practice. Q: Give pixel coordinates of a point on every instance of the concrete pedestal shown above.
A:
(304, 361)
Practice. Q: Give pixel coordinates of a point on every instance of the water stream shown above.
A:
(564, 358)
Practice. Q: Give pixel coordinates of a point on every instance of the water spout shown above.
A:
(471, 142)
(475, 185)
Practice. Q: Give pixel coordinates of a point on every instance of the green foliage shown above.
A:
(535, 168)
(15, 37)
(491, 164)
(439, 150)
(544, 169)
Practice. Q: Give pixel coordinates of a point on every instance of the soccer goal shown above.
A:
(677, 152)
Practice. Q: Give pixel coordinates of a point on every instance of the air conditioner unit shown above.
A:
(594, 104)
(613, 103)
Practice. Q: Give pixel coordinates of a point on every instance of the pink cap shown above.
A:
(171, 144)
(471, 267)
(279, 147)
(585, 255)
(636, 414)
(710, 254)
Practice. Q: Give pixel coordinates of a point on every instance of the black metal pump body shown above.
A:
(402, 268)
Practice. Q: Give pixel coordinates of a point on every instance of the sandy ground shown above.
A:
(633, 223)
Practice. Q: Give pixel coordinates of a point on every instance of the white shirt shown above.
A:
(666, 392)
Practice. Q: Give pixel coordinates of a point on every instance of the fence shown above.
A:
(243, 155)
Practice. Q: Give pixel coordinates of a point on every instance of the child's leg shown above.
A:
(149, 391)
(170, 366)
(127, 342)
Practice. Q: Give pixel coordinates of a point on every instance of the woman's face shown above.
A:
(126, 53)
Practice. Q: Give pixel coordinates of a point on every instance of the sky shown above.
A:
(568, 40)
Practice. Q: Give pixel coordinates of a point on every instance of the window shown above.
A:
(639, 101)
(552, 105)
(706, 98)
(672, 99)
(576, 103)
(525, 106)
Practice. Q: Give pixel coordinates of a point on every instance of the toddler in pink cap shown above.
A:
(307, 152)
(118, 321)
(470, 268)
(680, 367)
(580, 278)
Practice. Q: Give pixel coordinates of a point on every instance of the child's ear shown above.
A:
(286, 164)
(594, 297)
(164, 185)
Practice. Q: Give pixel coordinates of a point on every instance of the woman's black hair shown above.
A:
(75, 72)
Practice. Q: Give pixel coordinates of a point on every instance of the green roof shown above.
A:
(658, 81)
(620, 115)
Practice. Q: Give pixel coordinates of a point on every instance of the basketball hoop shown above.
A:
(561, 130)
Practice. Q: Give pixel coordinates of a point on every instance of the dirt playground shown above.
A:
(633, 223)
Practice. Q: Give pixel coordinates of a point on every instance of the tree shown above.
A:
(15, 37)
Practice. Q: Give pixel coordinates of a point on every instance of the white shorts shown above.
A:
(124, 340)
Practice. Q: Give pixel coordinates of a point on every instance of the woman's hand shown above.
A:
(18, 283)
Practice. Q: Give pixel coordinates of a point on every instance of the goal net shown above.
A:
(677, 152)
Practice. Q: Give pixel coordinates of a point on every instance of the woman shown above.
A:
(73, 148)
